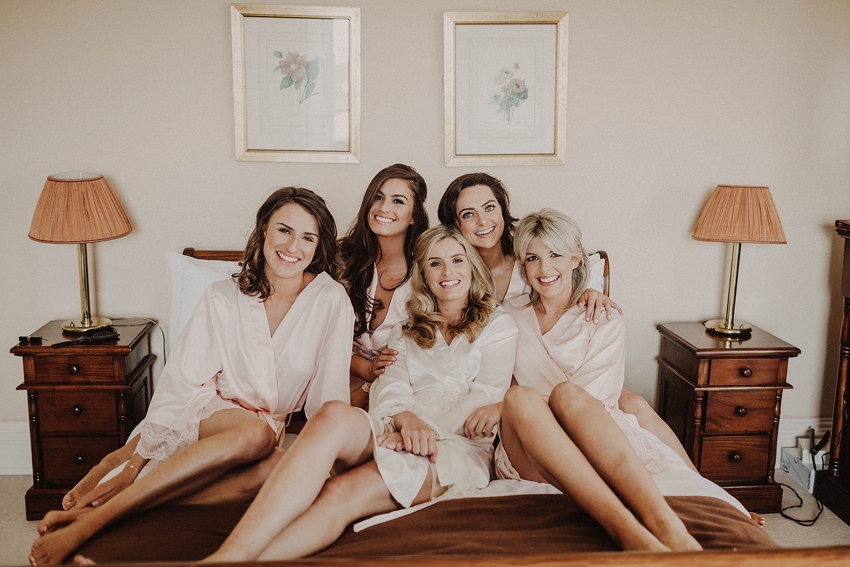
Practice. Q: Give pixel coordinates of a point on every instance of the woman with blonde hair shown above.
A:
(455, 353)
(561, 424)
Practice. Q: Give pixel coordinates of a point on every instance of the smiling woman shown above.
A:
(258, 348)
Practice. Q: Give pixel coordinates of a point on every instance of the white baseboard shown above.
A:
(15, 440)
(15, 448)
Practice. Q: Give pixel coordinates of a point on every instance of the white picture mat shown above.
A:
(484, 50)
(275, 117)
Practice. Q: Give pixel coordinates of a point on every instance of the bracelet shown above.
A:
(133, 467)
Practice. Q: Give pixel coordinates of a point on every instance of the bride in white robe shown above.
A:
(455, 352)
(256, 349)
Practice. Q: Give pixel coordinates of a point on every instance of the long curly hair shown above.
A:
(447, 209)
(252, 278)
(560, 234)
(425, 318)
(359, 247)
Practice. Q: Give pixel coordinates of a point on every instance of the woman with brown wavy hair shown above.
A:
(274, 339)
(454, 354)
(377, 252)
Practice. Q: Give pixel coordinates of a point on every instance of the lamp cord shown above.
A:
(147, 320)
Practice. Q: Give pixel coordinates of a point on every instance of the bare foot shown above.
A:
(83, 560)
(757, 519)
(58, 518)
(54, 547)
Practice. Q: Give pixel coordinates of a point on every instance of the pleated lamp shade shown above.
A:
(740, 214)
(78, 208)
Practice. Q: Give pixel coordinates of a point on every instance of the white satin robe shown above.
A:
(442, 385)
(593, 356)
(226, 356)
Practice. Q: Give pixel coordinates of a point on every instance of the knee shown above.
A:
(570, 399)
(331, 417)
(255, 441)
(340, 494)
(636, 405)
(521, 403)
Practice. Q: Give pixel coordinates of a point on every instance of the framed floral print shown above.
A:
(505, 88)
(296, 83)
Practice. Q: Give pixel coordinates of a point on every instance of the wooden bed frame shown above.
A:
(837, 556)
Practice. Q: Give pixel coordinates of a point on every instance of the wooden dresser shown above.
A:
(722, 399)
(832, 486)
(84, 400)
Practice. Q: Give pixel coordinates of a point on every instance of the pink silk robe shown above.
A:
(226, 353)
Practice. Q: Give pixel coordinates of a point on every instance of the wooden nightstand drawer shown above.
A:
(77, 412)
(68, 459)
(740, 412)
(744, 371)
(738, 458)
(75, 368)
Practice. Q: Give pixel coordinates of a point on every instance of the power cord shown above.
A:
(805, 523)
(126, 322)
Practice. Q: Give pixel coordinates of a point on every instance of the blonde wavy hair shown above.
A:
(560, 234)
(425, 318)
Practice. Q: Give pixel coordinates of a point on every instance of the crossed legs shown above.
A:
(573, 444)
(227, 439)
(300, 510)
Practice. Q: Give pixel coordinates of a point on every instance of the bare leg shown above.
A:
(631, 403)
(229, 438)
(97, 472)
(355, 494)
(239, 485)
(337, 436)
(540, 450)
(587, 422)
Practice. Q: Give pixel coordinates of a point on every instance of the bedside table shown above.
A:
(722, 399)
(84, 400)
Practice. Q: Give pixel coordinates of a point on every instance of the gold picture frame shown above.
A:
(296, 83)
(505, 88)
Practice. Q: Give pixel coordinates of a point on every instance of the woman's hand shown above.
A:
(482, 421)
(104, 492)
(384, 359)
(594, 301)
(417, 436)
(392, 441)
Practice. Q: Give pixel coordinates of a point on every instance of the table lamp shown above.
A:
(737, 215)
(78, 208)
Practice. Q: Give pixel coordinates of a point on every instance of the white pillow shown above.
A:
(596, 275)
(188, 279)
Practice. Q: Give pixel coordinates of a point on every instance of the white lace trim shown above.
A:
(158, 442)
(651, 458)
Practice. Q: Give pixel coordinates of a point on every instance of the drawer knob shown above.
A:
(746, 372)
(735, 457)
(73, 369)
(76, 409)
(79, 459)
(740, 411)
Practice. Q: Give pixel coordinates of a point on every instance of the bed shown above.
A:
(507, 524)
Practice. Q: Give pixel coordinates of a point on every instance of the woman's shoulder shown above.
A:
(501, 320)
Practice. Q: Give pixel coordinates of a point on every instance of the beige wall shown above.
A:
(667, 99)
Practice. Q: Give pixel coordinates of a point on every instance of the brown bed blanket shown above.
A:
(505, 525)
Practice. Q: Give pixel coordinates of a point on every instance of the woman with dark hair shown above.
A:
(272, 340)
(376, 253)
(478, 205)
(455, 353)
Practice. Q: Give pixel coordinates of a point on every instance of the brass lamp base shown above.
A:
(738, 329)
(81, 326)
